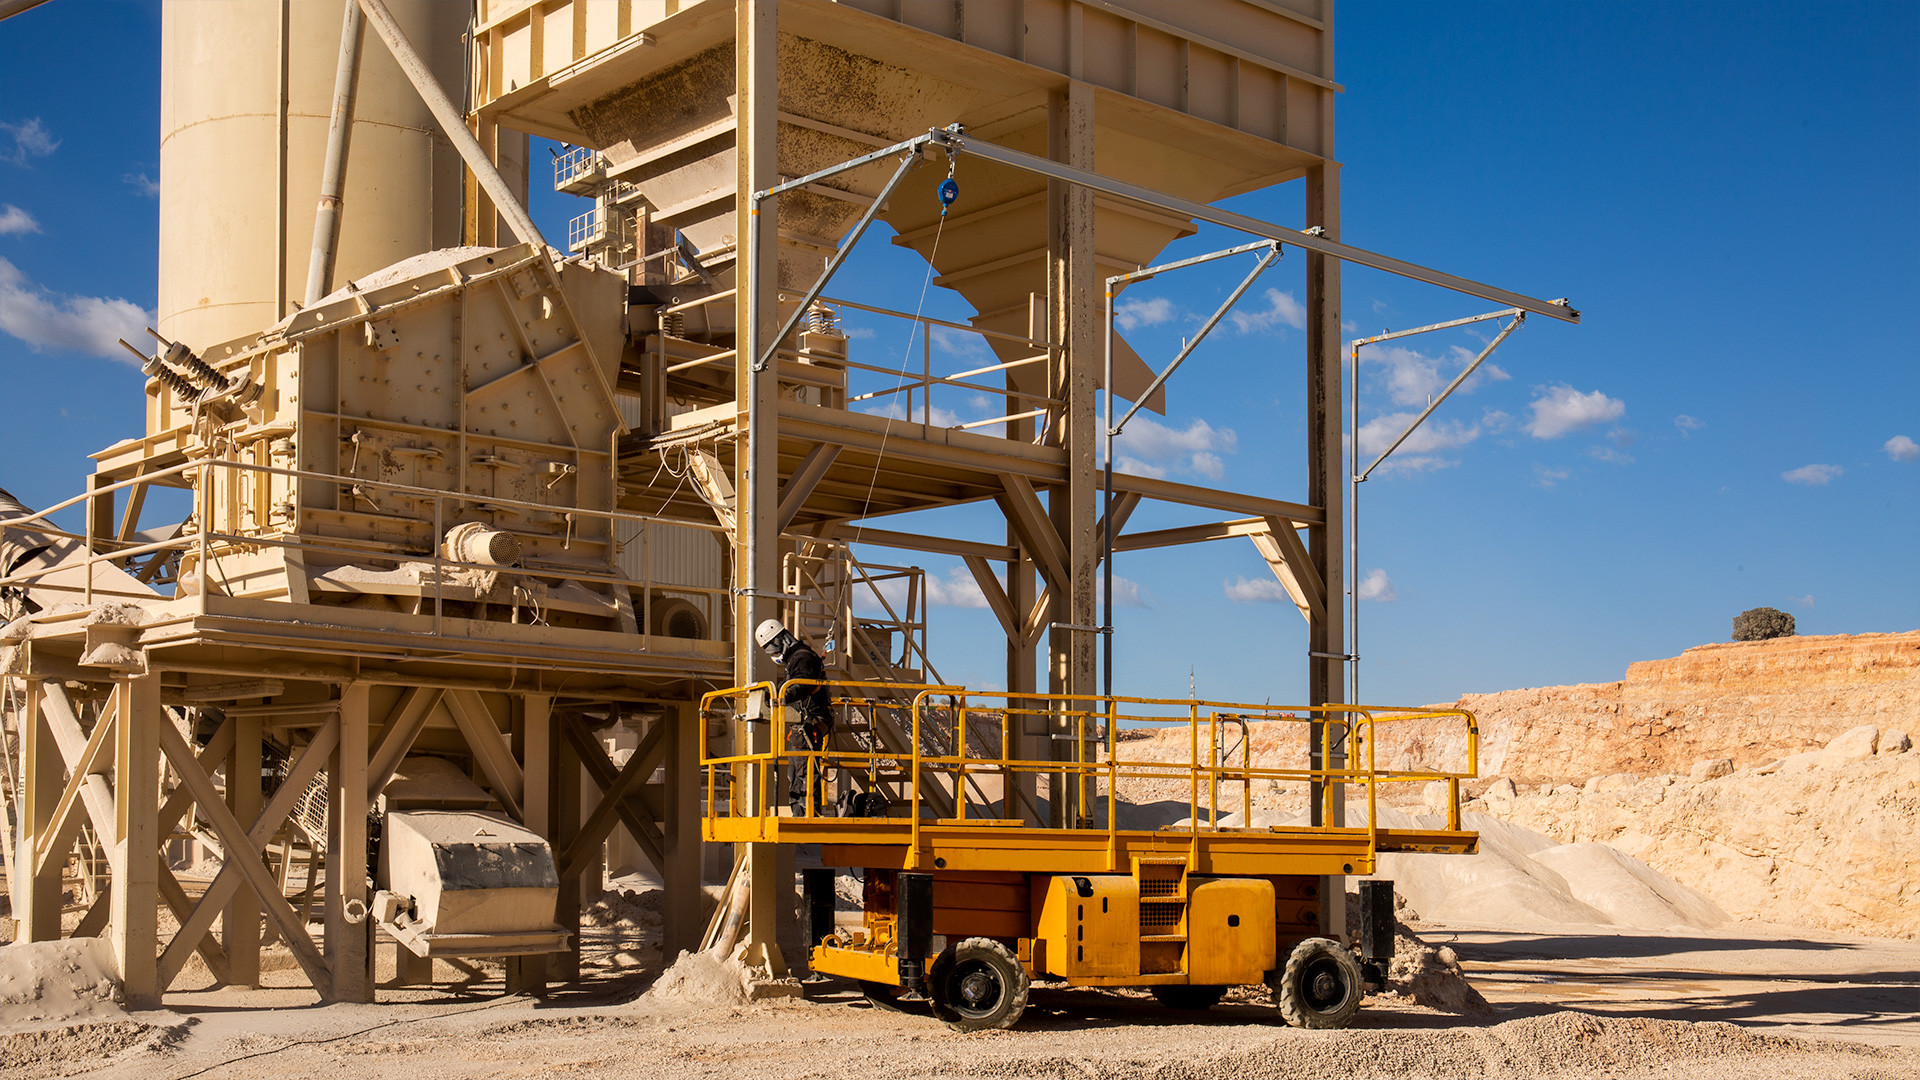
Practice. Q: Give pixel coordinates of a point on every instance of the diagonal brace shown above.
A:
(1273, 252)
(593, 757)
(227, 881)
(1518, 318)
(244, 853)
(646, 758)
(839, 256)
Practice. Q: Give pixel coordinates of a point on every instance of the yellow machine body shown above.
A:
(1086, 925)
(1230, 931)
(1088, 929)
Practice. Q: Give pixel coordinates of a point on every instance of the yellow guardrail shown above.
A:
(938, 761)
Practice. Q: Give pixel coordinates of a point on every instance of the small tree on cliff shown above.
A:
(1761, 623)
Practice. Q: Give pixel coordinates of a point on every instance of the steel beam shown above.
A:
(1316, 242)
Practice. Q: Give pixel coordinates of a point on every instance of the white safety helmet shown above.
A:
(774, 638)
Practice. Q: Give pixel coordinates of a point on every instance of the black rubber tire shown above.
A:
(882, 995)
(1320, 987)
(1188, 997)
(978, 984)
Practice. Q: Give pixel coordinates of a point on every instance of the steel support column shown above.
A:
(680, 876)
(757, 482)
(538, 735)
(1326, 637)
(1073, 319)
(134, 917)
(37, 898)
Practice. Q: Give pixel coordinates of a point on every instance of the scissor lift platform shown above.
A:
(895, 843)
(972, 887)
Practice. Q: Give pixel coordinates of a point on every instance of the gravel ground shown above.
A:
(607, 1029)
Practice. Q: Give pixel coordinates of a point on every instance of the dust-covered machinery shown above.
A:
(436, 437)
(457, 879)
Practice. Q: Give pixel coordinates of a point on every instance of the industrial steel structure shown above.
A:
(472, 510)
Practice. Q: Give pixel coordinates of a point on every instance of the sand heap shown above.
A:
(1827, 839)
(703, 978)
(57, 983)
(1524, 879)
(711, 977)
(1421, 973)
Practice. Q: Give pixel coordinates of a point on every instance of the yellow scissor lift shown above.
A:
(967, 899)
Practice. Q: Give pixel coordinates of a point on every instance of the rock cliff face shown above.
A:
(1777, 779)
(1751, 702)
(1774, 777)
(1829, 839)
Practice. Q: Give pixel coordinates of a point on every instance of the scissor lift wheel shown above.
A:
(1320, 986)
(978, 984)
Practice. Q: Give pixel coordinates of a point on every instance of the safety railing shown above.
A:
(579, 163)
(206, 546)
(943, 757)
(585, 229)
(914, 389)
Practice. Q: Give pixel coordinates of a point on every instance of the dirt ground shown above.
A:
(1744, 1001)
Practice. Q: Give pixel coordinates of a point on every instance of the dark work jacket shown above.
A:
(814, 703)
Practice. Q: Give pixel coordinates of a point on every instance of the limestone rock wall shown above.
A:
(1751, 702)
(1826, 839)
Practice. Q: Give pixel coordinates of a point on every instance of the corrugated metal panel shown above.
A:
(633, 409)
(669, 555)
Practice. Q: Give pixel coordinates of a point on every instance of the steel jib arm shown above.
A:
(960, 143)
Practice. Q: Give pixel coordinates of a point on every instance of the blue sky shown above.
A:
(1730, 194)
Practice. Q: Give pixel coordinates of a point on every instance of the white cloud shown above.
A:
(1621, 438)
(49, 320)
(1209, 465)
(1150, 448)
(1431, 437)
(1688, 425)
(1901, 448)
(1413, 377)
(142, 183)
(1549, 479)
(1128, 593)
(1132, 313)
(1281, 308)
(1263, 590)
(897, 410)
(1377, 586)
(962, 343)
(857, 332)
(31, 139)
(15, 221)
(1489, 371)
(1563, 410)
(1806, 601)
(956, 589)
(1812, 475)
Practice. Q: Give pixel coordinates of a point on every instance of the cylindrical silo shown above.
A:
(246, 93)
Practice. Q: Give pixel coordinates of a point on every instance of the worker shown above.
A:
(805, 696)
